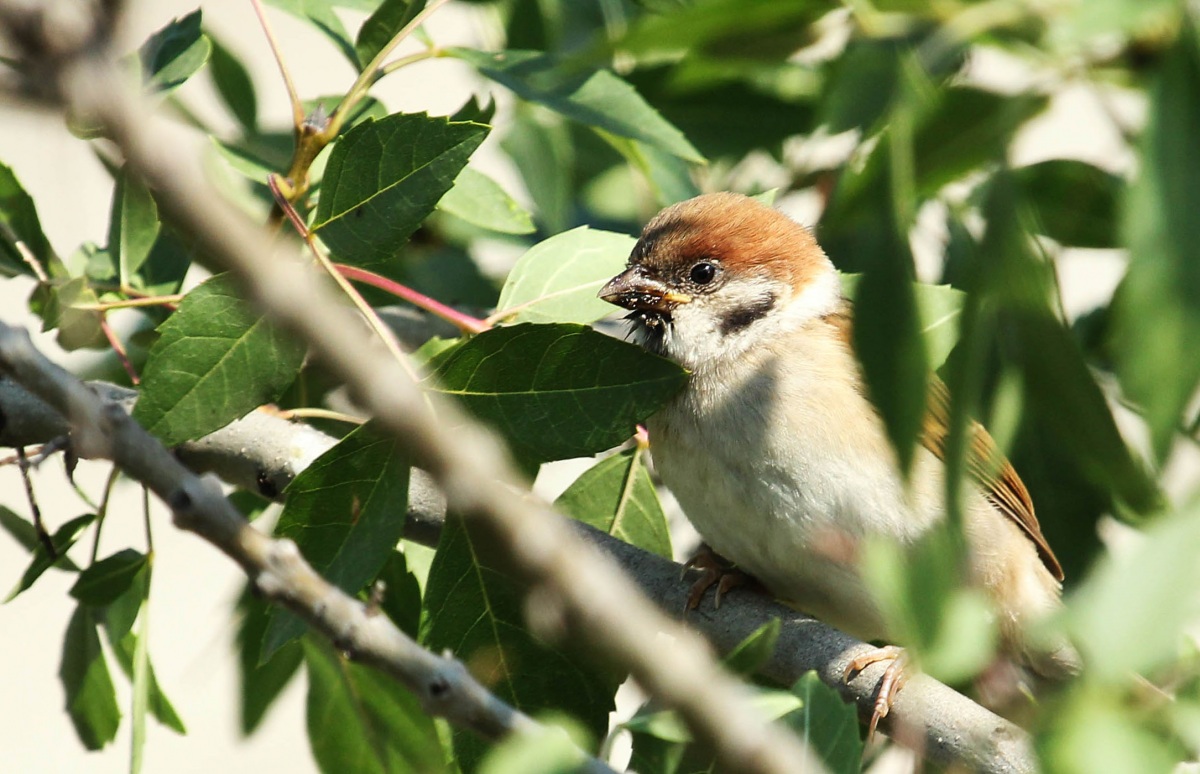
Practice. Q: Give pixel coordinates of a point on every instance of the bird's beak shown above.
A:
(635, 289)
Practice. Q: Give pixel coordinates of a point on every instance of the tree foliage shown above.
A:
(878, 112)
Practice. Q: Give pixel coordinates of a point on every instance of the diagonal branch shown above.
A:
(262, 452)
(471, 470)
(599, 604)
(102, 429)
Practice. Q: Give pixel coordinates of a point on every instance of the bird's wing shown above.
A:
(988, 468)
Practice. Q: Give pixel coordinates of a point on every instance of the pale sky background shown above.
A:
(194, 585)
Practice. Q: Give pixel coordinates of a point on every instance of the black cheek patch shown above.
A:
(741, 318)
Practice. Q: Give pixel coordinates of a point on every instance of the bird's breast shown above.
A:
(785, 472)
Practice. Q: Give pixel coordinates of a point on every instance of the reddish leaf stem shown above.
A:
(464, 322)
(119, 348)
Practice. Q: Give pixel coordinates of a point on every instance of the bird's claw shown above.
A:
(890, 683)
(714, 570)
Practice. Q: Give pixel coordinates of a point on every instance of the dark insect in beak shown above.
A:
(636, 290)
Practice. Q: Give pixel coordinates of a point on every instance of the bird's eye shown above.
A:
(702, 273)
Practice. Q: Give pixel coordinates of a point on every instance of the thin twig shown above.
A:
(385, 334)
(275, 567)
(114, 341)
(396, 64)
(293, 96)
(368, 76)
(255, 450)
(39, 526)
(131, 303)
(320, 413)
(27, 255)
(464, 322)
(102, 511)
(600, 605)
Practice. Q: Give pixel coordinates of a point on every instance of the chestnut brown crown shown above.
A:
(746, 236)
(692, 247)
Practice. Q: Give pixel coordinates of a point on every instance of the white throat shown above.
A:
(699, 338)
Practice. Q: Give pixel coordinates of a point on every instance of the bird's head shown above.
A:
(712, 276)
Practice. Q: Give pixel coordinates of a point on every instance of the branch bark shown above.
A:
(927, 715)
(472, 471)
(599, 604)
(100, 428)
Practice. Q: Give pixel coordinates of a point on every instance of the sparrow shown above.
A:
(776, 453)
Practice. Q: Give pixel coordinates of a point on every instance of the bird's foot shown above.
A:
(890, 684)
(714, 570)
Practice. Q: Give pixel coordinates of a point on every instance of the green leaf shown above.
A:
(91, 698)
(132, 225)
(887, 324)
(557, 279)
(1158, 306)
(723, 28)
(215, 360)
(234, 85)
(1060, 387)
(669, 177)
(1095, 732)
(122, 612)
(828, 724)
(346, 513)
(862, 84)
(109, 578)
(556, 391)
(1075, 202)
(19, 225)
(479, 200)
(174, 53)
(248, 163)
(754, 651)
(24, 533)
(599, 98)
(540, 147)
(361, 720)
(141, 695)
(938, 307)
(546, 751)
(662, 743)
(1080, 25)
(260, 683)
(381, 26)
(62, 540)
(477, 613)
(383, 178)
(168, 264)
(732, 111)
(119, 618)
(157, 702)
(617, 496)
(967, 129)
(401, 594)
(63, 305)
(1130, 618)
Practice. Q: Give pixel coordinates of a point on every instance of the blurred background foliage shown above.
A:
(905, 132)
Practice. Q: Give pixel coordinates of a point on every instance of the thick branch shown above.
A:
(927, 715)
(596, 601)
(599, 604)
(101, 428)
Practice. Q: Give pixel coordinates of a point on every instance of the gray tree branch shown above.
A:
(926, 714)
(599, 605)
(101, 428)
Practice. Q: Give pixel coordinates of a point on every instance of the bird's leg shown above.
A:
(890, 684)
(714, 569)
